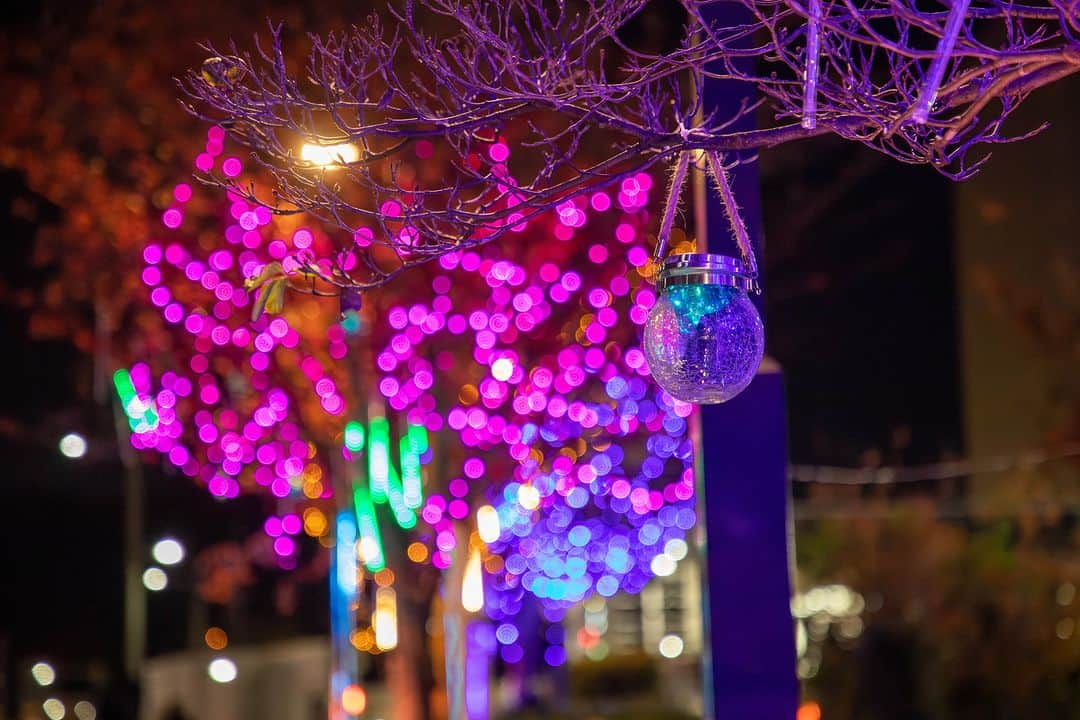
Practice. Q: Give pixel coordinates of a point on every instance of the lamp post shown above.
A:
(742, 475)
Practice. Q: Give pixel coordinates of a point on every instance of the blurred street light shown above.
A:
(85, 710)
(155, 579)
(168, 551)
(222, 670)
(328, 156)
(54, 709)
(73, 445)
(671, 646)
(43, 673)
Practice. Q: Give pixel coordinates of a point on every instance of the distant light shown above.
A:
(155, 579)
(222, 670)
(599, 651)
(487, 523)
(168, 551)
(809, 710)
(354, 436)
(528, 497)
(85, 710)
(472, 585)
(676, 549)
(671, 646)
(385, 619)
(354, 700)
(216, 639)
(73, 445)
(417, 552)
(43, 673)
(662, 565)
(329, 155)
(54, 709)
(502, 369)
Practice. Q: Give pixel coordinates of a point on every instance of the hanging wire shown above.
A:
(731, 209)
(947, 470)
(671, 205)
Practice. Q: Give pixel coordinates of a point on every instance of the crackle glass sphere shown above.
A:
(704, 341)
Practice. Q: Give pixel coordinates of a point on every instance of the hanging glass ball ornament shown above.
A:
(704, 339)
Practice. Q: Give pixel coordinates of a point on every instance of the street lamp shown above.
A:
(328, 156)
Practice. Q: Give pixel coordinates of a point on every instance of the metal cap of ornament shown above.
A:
(704, 338)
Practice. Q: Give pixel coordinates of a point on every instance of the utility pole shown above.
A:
(133, 494)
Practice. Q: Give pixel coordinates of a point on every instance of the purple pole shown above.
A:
(813, 53)
(751, 670)
(743, 479)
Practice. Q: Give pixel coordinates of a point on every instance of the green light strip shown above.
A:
(379, 467)
(370, 537)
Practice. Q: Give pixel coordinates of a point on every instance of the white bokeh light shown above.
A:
(155, 579)
(662, 565)
(222, 670)
(168, 551)
(73, 445)
(676, 549)
(671, 646)
(54, 709)
(43, 673)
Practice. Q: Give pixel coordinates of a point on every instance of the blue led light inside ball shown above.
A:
(703, 338)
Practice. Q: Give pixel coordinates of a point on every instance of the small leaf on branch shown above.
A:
(270, 271)
(270, 299)
(270, 285)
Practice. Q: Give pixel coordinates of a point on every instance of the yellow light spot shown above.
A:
(363, 640)
(384, 619)
(468, 394)
(353, 700)
(327, 156)
(216, 639)
(315, 523)
(528, 497)
(493, 564)
(312, 489)
(809, 710)
(417, 552)
(472, 586)
(384, 578)
(487, 523)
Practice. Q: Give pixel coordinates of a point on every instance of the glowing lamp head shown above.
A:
(329, 156)
(704, 339)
